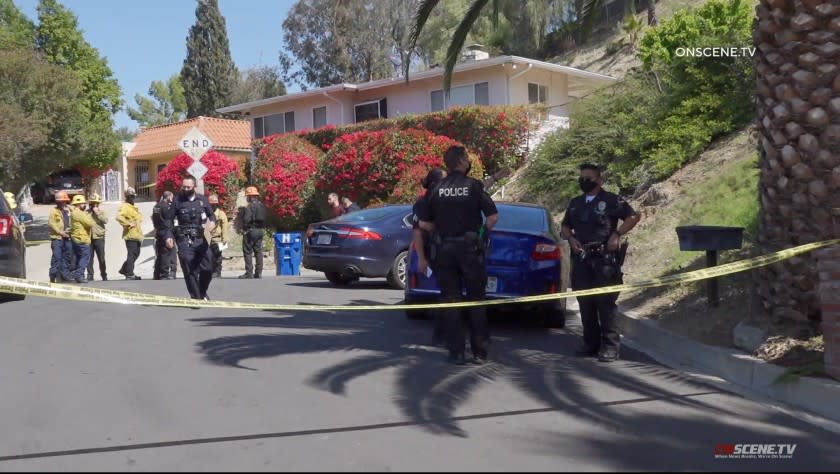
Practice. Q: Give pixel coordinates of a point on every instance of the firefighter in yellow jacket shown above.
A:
(129, 218)
(62, 248)
(219, 235)
(80, 225)
(97, 237)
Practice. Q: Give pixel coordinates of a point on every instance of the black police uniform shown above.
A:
(593, 224)
(455, 206)
(166, 264)
(193, 249)
(421, 208)
(253, 220)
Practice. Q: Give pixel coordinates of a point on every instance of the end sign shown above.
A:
(195, 143)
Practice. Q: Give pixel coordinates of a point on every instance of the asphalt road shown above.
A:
(108, 387)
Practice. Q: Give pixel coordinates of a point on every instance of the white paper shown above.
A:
(428, 272)
(222, 246)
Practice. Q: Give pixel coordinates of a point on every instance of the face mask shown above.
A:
(587, 185)
(187, 194)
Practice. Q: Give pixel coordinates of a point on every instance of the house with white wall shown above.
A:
(502, 80)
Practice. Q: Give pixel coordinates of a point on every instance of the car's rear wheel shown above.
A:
(399, 271)
(340, 279)
(551, 315)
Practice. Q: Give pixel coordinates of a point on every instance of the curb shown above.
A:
(813, 394)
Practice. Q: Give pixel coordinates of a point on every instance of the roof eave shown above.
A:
(283, 98)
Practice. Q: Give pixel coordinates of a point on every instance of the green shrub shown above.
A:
(658, 119)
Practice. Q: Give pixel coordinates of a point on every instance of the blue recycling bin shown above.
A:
(288, 248)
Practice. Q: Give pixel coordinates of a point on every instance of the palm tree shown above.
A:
(588, 9)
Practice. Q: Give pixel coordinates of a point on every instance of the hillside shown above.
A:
(717, 188)
(608, 52)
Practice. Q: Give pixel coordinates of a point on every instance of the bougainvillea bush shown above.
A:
(284, 173)
(383, 166)
(498, 133)
(222, 177)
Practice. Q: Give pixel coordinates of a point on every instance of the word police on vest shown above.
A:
(465, 191)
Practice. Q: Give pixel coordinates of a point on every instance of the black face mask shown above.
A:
(586, 184)
(187, 194)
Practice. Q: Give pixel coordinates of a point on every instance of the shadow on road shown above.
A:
(429, 391)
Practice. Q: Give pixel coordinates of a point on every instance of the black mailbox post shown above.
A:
(711, 239)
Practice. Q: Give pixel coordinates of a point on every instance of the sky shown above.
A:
(145, 40)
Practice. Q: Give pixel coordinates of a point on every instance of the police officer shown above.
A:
(219, 235)
(194, 216)
(166, 264)
(421, 239)
(591, 226)
(453, 211)
(253, 220)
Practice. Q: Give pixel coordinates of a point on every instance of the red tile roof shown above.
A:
(225, 134)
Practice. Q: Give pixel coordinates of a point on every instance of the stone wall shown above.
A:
(829, 290)
(798, 102)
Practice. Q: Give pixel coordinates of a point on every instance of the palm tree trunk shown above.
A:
(798, 101)
(651, 9)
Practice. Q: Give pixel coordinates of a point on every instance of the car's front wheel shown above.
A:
(399, 271)
(340, 279)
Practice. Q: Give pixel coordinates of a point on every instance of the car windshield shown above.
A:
(368, 215)
(518, 218)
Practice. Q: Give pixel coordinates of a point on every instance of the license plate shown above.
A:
(68, 185)
(492, 284)
(323, 239)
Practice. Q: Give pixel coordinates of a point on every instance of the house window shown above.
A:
(319, 117)
(372, 110)
(473, 94)
(275, 123)
(537, 94)
(437, 101)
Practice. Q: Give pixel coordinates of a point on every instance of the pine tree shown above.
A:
(208, 74)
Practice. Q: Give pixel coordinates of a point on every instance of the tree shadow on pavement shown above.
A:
(651, 439)
(429, 391)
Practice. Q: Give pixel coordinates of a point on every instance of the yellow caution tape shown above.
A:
(30, 243)
(102, 295)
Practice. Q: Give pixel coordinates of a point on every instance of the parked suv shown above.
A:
(12, 247)
(69, 181)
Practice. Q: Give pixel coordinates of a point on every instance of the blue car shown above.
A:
(525, 258)
(370, 243)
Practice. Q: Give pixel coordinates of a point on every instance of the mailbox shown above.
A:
(710, 238)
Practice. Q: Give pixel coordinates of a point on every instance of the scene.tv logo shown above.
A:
(754, 451)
